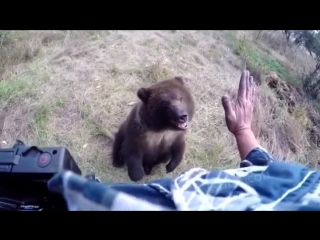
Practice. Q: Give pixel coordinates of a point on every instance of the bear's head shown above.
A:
(169, 104)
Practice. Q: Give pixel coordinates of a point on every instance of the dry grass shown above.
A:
(73, 89)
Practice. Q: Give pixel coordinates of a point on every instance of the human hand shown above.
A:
(239, 115)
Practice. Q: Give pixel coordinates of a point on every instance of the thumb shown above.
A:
(226, 103)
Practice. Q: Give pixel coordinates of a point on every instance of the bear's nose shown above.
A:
(183, 118)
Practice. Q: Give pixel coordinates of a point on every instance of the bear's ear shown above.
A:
(143, 94)
(179, 80)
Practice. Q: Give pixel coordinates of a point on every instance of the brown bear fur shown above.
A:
(154, 131)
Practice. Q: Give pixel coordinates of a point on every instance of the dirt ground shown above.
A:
(74, 88)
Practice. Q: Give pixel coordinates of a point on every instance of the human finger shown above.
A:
(250, 88)
(227, 106)
(253, 97)
(243, 85)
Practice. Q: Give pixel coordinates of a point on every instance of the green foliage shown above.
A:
(310, 39)
(257, 58)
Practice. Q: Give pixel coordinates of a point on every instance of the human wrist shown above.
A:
(245, 132)
(246, 142)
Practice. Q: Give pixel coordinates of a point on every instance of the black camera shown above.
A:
(24, 173)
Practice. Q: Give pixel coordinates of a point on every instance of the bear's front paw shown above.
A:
(169, 168)
(136, 174)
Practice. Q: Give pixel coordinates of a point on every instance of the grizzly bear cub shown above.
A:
(154, 131)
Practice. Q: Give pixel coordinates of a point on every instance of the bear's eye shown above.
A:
(164, 103)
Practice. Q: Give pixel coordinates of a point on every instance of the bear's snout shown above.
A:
(178, 115)
(183, 118)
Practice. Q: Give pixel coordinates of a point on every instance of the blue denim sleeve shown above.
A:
(257, 157)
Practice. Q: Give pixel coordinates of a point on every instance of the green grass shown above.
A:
(9, 89)
(23, 85)
(40, 122)
(94, 127)
(257, 58)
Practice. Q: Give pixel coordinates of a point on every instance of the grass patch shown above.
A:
(15, 50)
(4, 36)
(301, 115)
(154, 72)
(9, 89)
(40, 121)
(257, 58)
(23, 85)
(92, 125)
(61, 103)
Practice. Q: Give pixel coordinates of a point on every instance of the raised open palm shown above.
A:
(238, 115)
